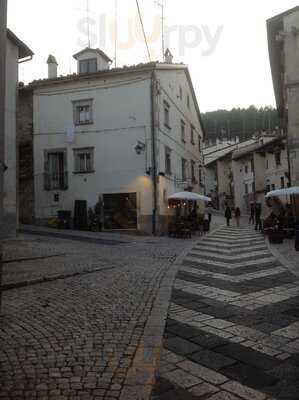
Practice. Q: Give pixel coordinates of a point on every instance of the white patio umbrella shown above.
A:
(277, 193)
(189, 196)
(284, 192)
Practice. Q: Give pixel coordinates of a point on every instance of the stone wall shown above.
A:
(25, 157)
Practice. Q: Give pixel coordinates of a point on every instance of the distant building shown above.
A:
(16, 52)
(129, 136)
(219, 179)
(283, 38)
(258, 169)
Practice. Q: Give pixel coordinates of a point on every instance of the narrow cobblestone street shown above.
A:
(79, 318)
(233, 324)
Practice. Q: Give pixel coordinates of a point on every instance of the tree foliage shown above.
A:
(240, 122)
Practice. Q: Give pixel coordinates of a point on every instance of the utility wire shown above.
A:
(141, 22)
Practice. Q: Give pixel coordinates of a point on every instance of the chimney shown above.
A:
(168, 57)
(52, 67)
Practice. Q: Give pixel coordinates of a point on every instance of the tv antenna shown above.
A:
(116, 33)
(161, 4)
(88, 22)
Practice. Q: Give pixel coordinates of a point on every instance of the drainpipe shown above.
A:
(3, 36)
(154, 153)
(285, 131)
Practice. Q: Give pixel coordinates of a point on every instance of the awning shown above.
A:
(189, 196)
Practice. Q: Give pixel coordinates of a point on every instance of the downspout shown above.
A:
(285, 131)
(154, 153)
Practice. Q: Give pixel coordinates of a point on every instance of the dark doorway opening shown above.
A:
(120, 211)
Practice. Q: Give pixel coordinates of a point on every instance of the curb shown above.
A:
(33, 282)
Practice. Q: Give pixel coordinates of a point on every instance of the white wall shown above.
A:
(241, 178)
(291, 54)
(10, 176)
(102, 63)
(121, 116)
(170, 83)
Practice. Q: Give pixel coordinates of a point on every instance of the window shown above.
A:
(246, 169)
(200, 176)
(88, 66)
(181, 93)
(273, 186)
(282, 182)
(82, 112)
(253, 187)
(183, 131)
(188, 101)
(167, 161)
(278, 159)
(246, 188)
(193, 172)
(199, 143)
(84, 160)
(184, 169)
(55, 170)
(268, 188)
(166, 114)
(267, 164)
(252, 165)
(192, 134)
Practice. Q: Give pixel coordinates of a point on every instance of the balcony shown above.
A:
(55, 181)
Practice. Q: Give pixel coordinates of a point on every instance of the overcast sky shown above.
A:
(224, 42)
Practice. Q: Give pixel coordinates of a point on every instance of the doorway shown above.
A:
(120, 211)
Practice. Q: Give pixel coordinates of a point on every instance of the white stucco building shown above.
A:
(219, 177)
(283, 37)
(130, 136)
(16, 52)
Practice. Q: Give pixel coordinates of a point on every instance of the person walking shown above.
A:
(258, 217)
(252, 214)
(238, 216)
(228, 215)
(209, 211)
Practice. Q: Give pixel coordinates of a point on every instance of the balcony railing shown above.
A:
(55, 181)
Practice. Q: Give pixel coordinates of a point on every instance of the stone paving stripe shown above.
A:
(203, 389)
(248, 356)
(243, 391)
(212, 359)
(224, 396)
(182, 378)
(203, 373)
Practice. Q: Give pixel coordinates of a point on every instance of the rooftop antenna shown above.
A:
(161, 4)
(88, 25)
(116, 33)
(143, 30)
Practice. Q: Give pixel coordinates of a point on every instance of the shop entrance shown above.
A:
(120, 211)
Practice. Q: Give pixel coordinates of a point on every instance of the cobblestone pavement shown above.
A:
(233, 324)
(84, 321)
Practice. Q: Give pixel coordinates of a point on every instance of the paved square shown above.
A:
(243, 304)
